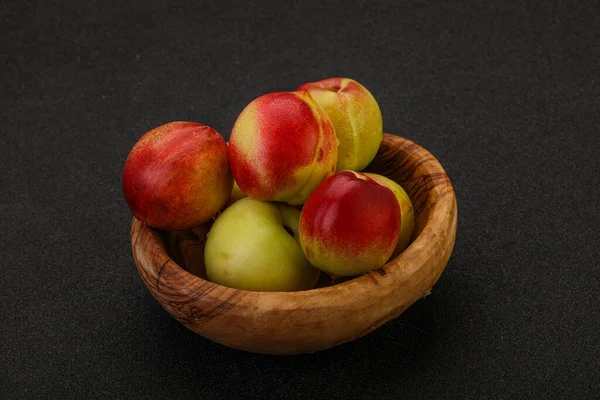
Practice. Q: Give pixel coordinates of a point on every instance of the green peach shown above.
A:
(254, 245)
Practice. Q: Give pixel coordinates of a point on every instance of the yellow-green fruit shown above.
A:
(356, 118)
(407, 211)
(254, 245)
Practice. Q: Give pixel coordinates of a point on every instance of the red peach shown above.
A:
(281, 147)
(349, 224)
(177, 176)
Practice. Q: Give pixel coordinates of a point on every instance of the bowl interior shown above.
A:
(186, 248)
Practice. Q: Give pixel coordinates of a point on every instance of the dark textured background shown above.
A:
(505, 96)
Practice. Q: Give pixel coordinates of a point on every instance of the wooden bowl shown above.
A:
(317, 319)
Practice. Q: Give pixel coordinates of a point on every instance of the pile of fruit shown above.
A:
(285, 194)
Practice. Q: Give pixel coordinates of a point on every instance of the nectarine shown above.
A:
(349, 224)
(177, 176)
(281, 147)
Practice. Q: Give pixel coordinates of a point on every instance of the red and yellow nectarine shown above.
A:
(177, 176)
(349, 224)
(281, 147)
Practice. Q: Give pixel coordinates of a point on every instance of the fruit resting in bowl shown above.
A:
(349, 224)
(284, 148)
(407, 212)
(356, 118)
(177, 176)
(281, 147)
(253, 245)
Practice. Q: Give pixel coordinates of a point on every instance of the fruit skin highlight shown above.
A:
(349, 225)
(356, 118)
(251, 247)
(282, 146)
(177, 176)
(407, 211)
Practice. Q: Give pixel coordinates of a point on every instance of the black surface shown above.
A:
(505, 96)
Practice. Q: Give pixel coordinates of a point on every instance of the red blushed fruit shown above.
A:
(349, 224)
(281, 147)
(177, 176)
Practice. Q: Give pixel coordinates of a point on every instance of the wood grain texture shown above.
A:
(308, 321)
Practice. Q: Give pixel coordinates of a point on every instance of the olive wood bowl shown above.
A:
(317, 319)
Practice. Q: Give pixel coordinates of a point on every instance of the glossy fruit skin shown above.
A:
(349, 225)
(281, 147)
(177, 176)
(356, 117)
(249, 248)
(407, 211)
